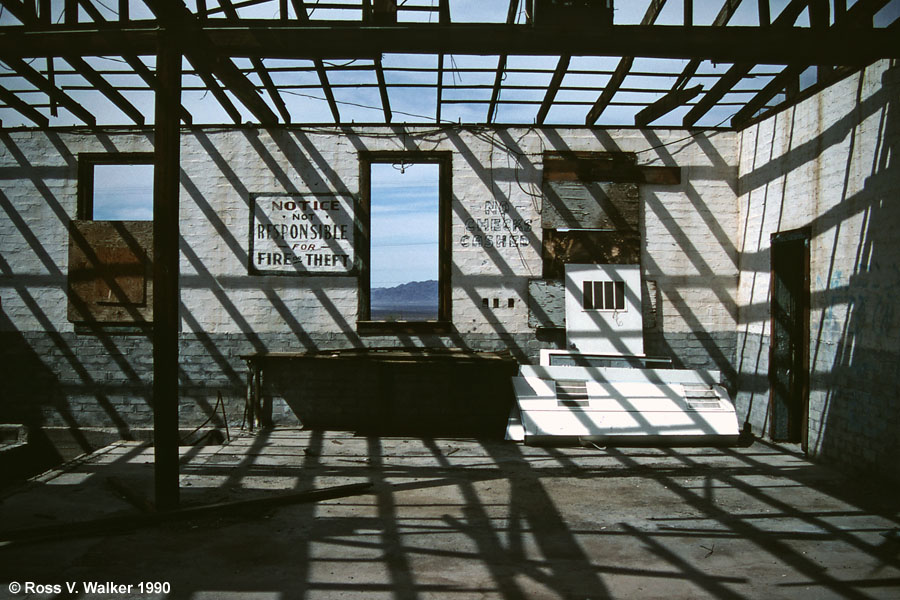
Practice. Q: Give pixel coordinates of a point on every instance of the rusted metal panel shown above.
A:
(590, 205)
(109, 268)
(588, 247)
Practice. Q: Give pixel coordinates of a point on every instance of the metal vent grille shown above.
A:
(571, 393)
(699, 398)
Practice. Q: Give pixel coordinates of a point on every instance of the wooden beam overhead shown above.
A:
(561, 67)
(259, 67)
(844, 19)
(722, 18)
(739, 70)
(501, 64)
(23, 108)
(218, 93)
(105, 88)
(271, 39)
(382, 89)
(665, 105)
(625, 63)
(53, 92)
(303, 17)
(136, 64)
(440, 88)
(203, 56)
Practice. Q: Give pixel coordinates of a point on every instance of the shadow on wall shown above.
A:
(103, 378)
(854, 349)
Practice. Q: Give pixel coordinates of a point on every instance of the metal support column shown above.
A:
(165, 271)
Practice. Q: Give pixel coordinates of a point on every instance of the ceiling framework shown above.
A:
(269, 62)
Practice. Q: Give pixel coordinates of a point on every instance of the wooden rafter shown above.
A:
(303, 17)
(739, 70)
(54, 93)
(104, 87)
(382, 89)
(666, 104)
(444, 19)
(23, 11)
(218, 93)
(23, 108)
(136, 64)
(260, 68)
(203, 57)
(501, 64)
(625, 63)
(440, 87)
(844, 18)
(725, 14)
(558, 74)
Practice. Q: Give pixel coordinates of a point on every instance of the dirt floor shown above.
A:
(462, 518)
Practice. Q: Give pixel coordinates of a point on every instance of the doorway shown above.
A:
(789, 344)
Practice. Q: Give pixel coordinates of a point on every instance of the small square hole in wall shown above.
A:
(485, 302)
(511, 303)
(496, 302)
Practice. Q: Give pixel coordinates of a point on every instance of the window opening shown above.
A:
(603, 295)
(404, 267)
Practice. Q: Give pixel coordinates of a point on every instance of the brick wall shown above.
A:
(830, 164)
(689, 249)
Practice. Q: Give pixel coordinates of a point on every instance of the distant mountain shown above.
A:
(415, 293)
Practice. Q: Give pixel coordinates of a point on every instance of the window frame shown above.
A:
(443, 324)
(86, 163)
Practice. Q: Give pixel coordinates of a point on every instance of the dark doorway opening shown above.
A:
(789, 345)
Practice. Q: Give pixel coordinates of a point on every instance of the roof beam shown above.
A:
(133, 61)
(203, 56)
(218, 93)
(615, 82)
(272, 39)
(105, 88)
(861, 12)
(501, 64)
(23, 108)
(665, 105)
(53, 92)
(259, 67)
(725, 14)
(739, 70)
(303, 17)
(382, 88)
(561, 67)
(440, 88)
(23, 11)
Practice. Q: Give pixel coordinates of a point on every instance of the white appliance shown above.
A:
(615, 405)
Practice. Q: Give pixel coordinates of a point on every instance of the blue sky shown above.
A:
(404, 222)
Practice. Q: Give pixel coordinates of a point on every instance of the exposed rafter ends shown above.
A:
(103, 86)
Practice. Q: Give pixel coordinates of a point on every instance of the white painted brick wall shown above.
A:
(827, 164)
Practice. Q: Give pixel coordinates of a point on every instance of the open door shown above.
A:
(789, 344)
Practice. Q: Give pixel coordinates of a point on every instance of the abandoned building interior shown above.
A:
(209, 209)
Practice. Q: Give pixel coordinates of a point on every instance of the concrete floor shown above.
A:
(459, 518)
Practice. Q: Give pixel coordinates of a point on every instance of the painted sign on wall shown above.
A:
(297, 234)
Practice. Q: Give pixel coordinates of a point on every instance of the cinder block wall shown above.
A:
(830, 163)
(59, 377)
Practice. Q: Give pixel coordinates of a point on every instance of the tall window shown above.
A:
(408, 259)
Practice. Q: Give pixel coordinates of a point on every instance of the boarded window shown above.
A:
(111, 245)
